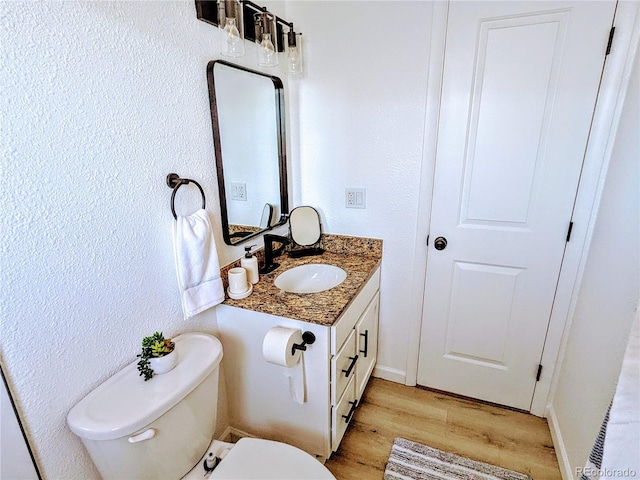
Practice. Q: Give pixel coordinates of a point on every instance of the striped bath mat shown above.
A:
(413, 461)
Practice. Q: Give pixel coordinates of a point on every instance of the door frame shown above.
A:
(610, 99)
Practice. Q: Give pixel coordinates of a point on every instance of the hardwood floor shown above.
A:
(487, 433)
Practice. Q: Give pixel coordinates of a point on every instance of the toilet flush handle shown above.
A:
(141, 437)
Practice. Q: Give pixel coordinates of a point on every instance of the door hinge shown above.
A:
(611, 32)
(539, 373)
(427, 240)
(569, 231)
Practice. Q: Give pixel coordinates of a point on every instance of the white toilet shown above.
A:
(163, 428)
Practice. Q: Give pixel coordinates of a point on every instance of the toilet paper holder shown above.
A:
(308, 338)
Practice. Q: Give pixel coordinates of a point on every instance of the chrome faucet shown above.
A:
(270, 253)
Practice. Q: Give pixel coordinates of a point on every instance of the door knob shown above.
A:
(440, 243)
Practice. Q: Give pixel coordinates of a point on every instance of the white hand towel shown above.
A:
(197, 263)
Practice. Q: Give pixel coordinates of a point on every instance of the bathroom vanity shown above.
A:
(336, 367)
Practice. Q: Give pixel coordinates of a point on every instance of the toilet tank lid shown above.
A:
(125, 403)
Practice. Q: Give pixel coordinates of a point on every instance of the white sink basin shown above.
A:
(310, 278)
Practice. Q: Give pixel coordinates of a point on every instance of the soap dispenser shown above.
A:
(250, 263)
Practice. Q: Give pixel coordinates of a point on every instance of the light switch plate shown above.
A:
(355, 197)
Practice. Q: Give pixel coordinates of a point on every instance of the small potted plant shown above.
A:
(158, 356)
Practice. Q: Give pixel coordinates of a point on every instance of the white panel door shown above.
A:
(519, 88)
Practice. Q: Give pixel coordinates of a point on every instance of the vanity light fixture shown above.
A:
(243, 19)
(233, 45)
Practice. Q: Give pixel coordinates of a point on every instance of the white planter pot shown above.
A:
(164, 364)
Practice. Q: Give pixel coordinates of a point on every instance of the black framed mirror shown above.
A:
(248, 121)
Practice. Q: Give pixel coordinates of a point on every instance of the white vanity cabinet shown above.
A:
(354, 347)
(337, 367)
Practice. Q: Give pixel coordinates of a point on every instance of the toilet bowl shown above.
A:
(163, 429)
(258, 459)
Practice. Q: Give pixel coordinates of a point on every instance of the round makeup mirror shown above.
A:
(304, 223)
(266, 219)
(305, 231)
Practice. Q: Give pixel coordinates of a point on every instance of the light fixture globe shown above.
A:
(294, 52)
(233, 43)
(266, 39)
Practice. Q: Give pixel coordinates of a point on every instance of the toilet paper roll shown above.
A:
(277, 345)
(276, 349)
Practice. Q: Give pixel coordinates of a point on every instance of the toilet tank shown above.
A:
(158, 429)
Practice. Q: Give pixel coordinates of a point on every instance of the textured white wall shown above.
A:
(100, 101)
(608, 295)
(361, 107)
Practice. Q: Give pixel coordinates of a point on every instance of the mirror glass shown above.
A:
(247, 116)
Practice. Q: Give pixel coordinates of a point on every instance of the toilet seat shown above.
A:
(258, 459)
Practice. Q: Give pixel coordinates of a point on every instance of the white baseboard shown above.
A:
(558, 444)
(391, 374)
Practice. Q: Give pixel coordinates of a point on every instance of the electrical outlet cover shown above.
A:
(355, 197)
(239, 191)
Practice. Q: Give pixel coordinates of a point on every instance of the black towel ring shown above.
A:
(174, 181)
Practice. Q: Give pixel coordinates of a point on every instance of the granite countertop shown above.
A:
(359, 257)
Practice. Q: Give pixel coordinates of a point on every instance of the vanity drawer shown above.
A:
(343, 367)
(342, 414)
(341, 330)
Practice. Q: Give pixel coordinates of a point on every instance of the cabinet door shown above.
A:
(367, 340)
